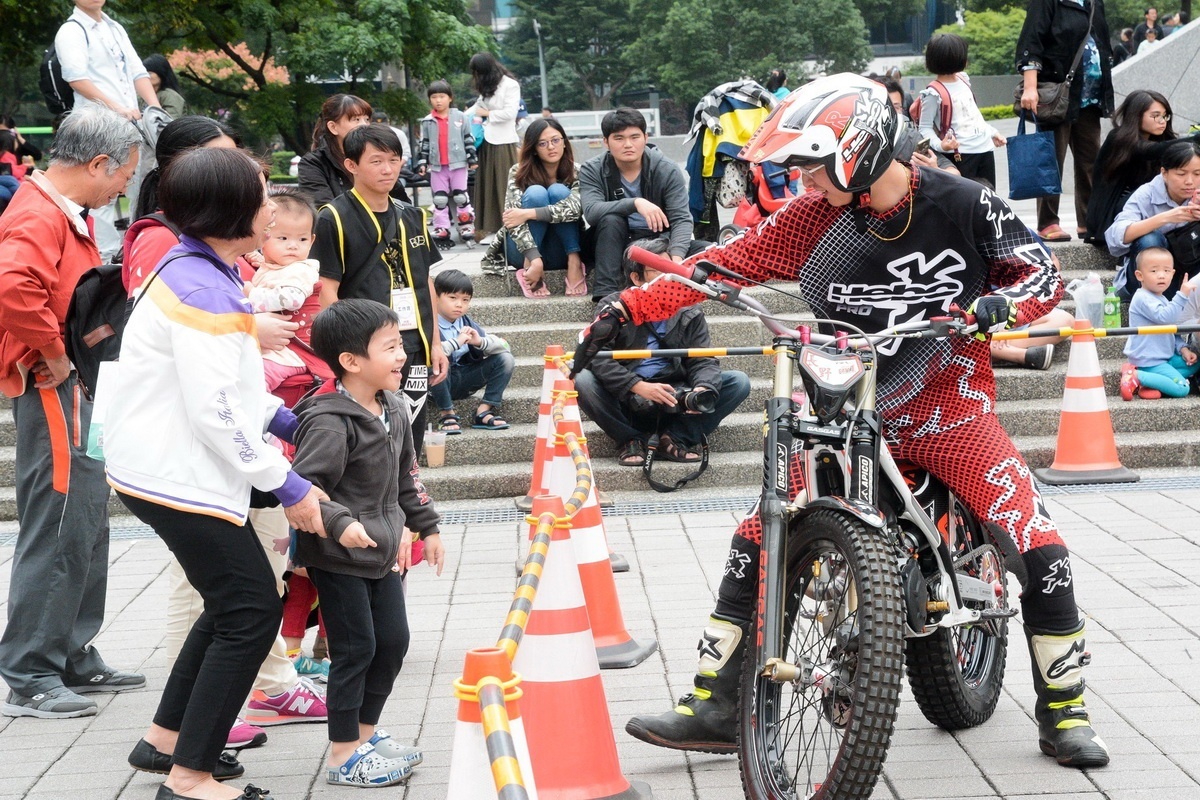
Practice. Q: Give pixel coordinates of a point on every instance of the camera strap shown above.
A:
(648, 465)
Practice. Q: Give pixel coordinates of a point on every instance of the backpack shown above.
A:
(945, 109)
(58, 94)
(96, 318)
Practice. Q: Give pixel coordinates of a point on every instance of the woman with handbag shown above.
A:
(1065, 61)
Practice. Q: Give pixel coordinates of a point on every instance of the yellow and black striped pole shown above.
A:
(493, 711)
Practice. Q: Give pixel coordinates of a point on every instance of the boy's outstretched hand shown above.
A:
(435, 551)
(355, 535)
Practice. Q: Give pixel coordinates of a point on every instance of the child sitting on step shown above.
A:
(478, 360)
(1159, 363)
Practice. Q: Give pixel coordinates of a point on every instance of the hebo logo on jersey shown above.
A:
(921, 286)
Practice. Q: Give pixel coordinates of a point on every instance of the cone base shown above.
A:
(619, 562)
(626, 654)
(1071, 477)
(524, 503)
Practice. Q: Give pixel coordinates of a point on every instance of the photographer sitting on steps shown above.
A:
(682, 399)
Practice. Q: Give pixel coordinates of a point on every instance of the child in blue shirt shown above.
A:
(477, 359)
(1159, 363)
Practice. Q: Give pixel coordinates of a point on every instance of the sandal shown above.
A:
(578, 289)
(1053, 233)
(633, 454)
(449, 424)
(488, 421)
(677, 453)
(536, 290)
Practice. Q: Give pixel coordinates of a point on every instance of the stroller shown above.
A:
(722, 124)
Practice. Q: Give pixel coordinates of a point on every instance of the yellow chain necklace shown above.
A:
(909, 195)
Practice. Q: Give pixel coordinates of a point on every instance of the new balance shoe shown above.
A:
(311, 668)
(388, 747)
(302, 703)
(57, 703)
(110, 680)
(243, 735)
(367, 768)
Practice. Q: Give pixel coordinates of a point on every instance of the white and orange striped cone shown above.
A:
(545, 426)
(1086, 450)
(541, 469)
(473, 774)
(615, 648)
(565, 711)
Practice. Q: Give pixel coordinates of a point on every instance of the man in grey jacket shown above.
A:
(631, 192)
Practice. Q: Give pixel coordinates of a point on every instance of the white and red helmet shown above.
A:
(844, 122)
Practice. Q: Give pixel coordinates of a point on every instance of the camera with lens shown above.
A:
(699, 401)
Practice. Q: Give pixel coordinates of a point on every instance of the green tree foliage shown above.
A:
(690, 46)
(588, 37)
(992, 36)
(343, 43)
(26, 31)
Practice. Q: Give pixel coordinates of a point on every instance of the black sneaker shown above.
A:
(1039, 357)
(57, 703)
(107, 681)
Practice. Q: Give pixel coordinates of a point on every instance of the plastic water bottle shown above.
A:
(1112, 309)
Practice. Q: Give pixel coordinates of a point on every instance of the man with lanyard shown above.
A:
(372, 246)
(876, 243)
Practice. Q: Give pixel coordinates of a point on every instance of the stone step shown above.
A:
(1138, 450)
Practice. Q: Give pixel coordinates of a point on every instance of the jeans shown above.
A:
(609, 237)
(221, 656)
(1169, 377)
(8, 187)
(492, 374)
(555, 241)
(622, 425)
(1126, 283)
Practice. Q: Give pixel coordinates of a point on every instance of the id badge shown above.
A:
(404, 303)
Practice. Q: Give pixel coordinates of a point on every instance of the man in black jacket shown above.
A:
(683, 399)
(629, 192)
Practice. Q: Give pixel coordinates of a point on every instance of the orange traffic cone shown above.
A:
(545, 426)
(1086, 451)
(473, 775)
(615, 648)
(566, 715)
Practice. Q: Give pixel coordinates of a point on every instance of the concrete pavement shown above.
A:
(1136, 551)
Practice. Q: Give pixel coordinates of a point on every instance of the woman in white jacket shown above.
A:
(184, 446)
(498, 103)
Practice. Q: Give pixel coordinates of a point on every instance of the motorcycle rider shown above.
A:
(876, 242)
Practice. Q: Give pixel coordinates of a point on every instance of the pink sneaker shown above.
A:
(243, 735)
(302, 703)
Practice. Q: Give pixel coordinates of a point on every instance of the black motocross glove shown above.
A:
(598, 336)
(993, 313)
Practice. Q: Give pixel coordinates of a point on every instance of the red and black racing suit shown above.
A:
(937, 397)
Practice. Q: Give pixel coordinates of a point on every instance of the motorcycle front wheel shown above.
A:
(826, 735)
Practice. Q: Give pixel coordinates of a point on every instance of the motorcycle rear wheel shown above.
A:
(956, 674)
(827, 735)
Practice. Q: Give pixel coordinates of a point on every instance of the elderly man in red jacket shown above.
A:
(60, 567)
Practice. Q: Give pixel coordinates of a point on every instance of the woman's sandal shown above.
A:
(488, 421)
(633, 454)
(251, 792)
(578, 289)
(671, 451)
(450, 424)
(1053, 233)
(536, 290)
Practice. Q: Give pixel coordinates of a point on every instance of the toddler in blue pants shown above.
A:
(1159, 364)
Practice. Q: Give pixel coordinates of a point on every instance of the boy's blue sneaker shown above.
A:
(311, 668)
(388, 747)
(367, 768)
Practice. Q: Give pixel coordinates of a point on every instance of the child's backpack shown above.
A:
(58, 94)
(941, 125)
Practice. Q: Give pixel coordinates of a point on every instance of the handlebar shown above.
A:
(699, 276)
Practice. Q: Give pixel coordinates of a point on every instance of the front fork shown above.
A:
(776, 494)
